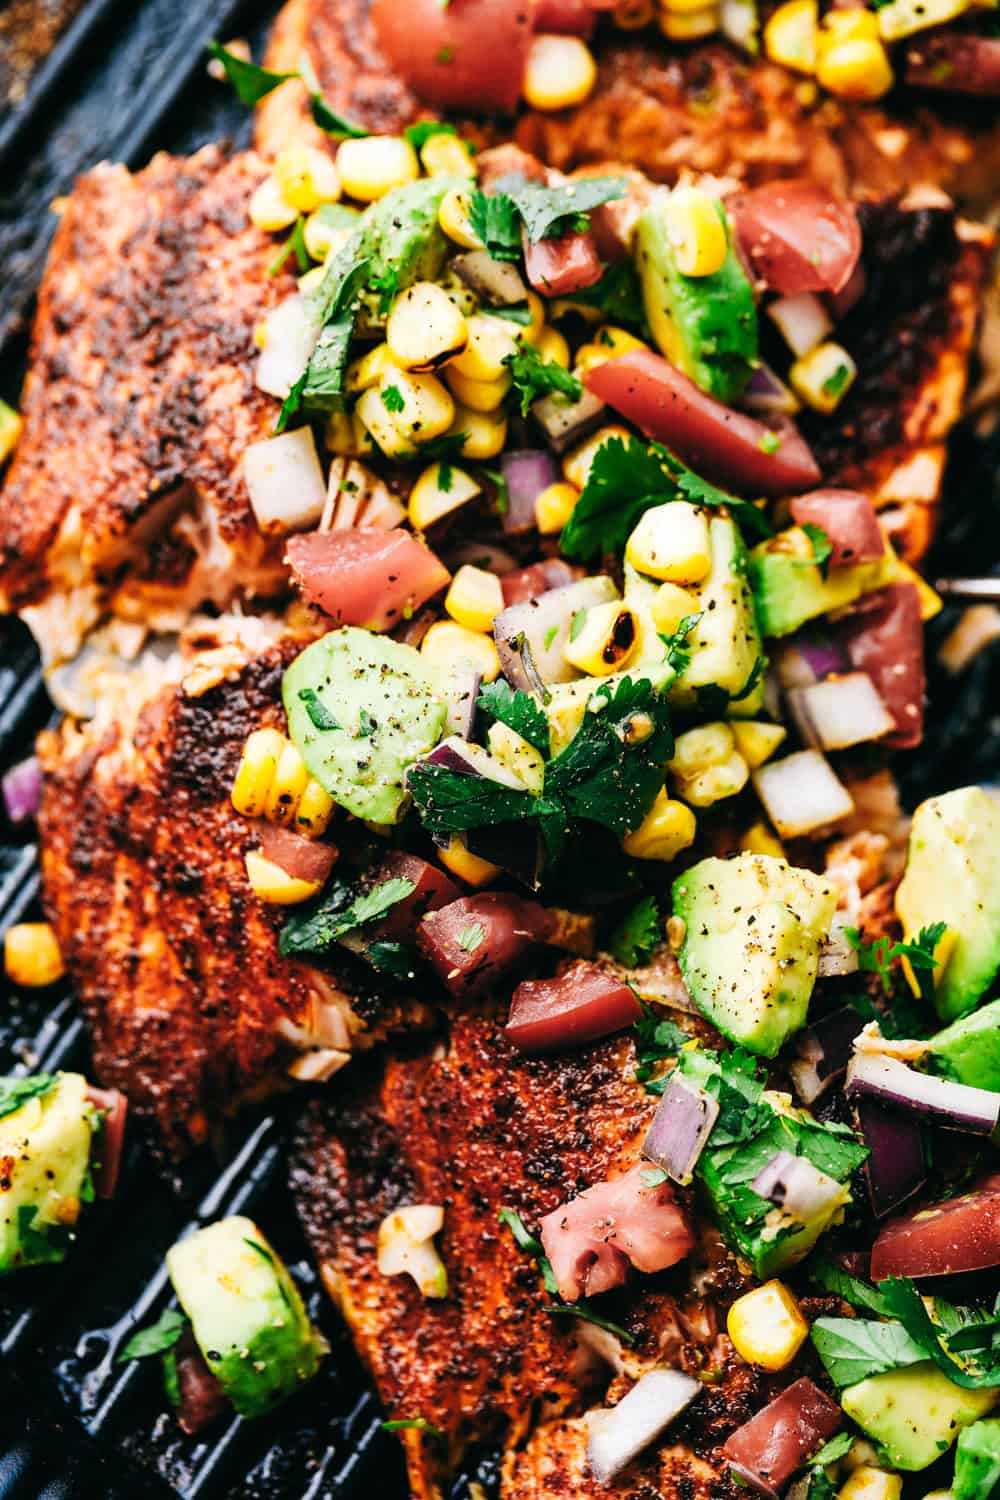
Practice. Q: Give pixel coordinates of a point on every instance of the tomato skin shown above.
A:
(299, 857)
(115, 1106)
(884, 636)
(956, 61)
(580, 1005)
(535, 579)
(849, 520)
(961, 1234)
(473, 941)
(365, 576)
(797, 236)
(719, 443)
(432, 889)
(469, 54)
(558, 268)
(776, 1442)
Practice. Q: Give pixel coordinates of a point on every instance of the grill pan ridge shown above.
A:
(128, 78)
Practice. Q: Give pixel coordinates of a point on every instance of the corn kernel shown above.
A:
(716, 782)
(790, 35)
(371, 167)
(269, 210)
(314, 810)
(689, 26)
(855, 25)
(291, 777)
(516, 755)
(484, 434)
(453, 217)
(608, 342)
(697, 749)
(11, 423)
(536, 307)
(425, 328)
(907, 16)
(577, 462)
(856, 70)
(671, 543)
(328, 228)
(306, 177)
(871, 1484)
(696, 231)
(421, 409)
(552, 346)
(823, 377)
(759, 839)
(559, 307)
(406, 1247)
(270, 883)
(255, 773)
(478, 395)
(554, 506)
(474, 598)
(443, 154)
(560, 72)
(439, 490)
(603, 639)
(491, 341)
(31, 956)
(446, 643)
(672, 604)
(666, 829)
(365, 373)
(766, 1326)
(465, 865)
(757, 742)
(633, 15)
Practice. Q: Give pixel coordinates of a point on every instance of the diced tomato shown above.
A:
(469, 54)
(538, 578)
(566, 17)
(849, 520)
(594, 1238)
(115, 1107)
(612, 223)
(365, 576)
(767, 1450)
(725, 446)
(474, 941)
(840, 303)
(558, 268)
(201, 1399)
(956, 61)
(578, 1006)
(798, 236)
(299, 857)
(962, 1234)
(432, 889)
(884, 636)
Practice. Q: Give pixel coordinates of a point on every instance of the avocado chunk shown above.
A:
(916, 1413)
(754, 926)
(44, 1158)
(706, 325)
(790, 589)
(977, 1462)
(379, 709)
(969, 1049)
(246, 1314)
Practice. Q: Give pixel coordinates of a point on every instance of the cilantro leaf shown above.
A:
(947, 1336)
(534, 376)
(527, 1242)
(40, 1242)
(392, 398)
(514, 312)
(470, 938)
(859, 1293)
(454, 801)
(326, 118)
(421, 1424)
(171, 1379)
(822, 549)
(251, 82)
(316, 930)
(493, 217)
(678, 652)
(877, 957)
(319, 715)
(549, 212)
(585, 1311)
(159, 1336)
(638, 933)
(394, 959)
(324, 384)
(419, 134)
(852, 1349)
(656, 1041)
(295, 243)
(17, 1091)
(518, 710)
(618, 295)
(831, 1451)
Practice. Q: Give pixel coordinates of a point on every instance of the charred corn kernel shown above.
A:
(823, 377)
(671, 543)
(759, 839)
(671, 605)
(607, 343)
(270, 883)
(666, 829)
(514, 753)
(306, 177)
(633, 15)
(552, 346)
(554, 506)
(425, 328)
(347, 436)
(255, 773)
(478, 395)
(11, 423)
(291, 777)
(491, 341)
(439, 490)
(484, 433)
(767, 1327)
(689, 26)
(716, 782)
(311, 281)
(372, 167)
(696, 231)
(467, 866)
(577, 462)
(560, 71)
(942, 953)
(856, 70)
(473, 598)
(364, 373)
(697, 749)
(446, 643)
(790, 36)
(269, 210)
(446, 155)
(406, 1247)
(871, 1484)
(314, 810)
(405, 411)
(31, 956)
(603, 640)
(453, 217)
(757, 742)
(907, 16)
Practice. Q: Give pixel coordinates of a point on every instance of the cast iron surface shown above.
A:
(128, 78)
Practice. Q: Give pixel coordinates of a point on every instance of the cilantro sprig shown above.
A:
(518, 710)
(543, 212)
(656, 1041)
(17, 1091)
(638, 933)
(822, 549)
(534, 376)
(253, 83)
(878, 956)
(340, 910)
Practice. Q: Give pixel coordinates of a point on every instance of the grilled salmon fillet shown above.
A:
(476, 1126)
(125, 491)
(191, 1008)
(660, 109)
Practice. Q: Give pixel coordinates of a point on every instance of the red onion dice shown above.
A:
(22, 790)
(681, 1126)
(527, 472)
(824, 1050)
(895, 1168)
(767, 1450)
(956, 1106)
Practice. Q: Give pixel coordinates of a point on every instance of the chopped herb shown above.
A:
(530, 1245)
(386, 283)
(319, 715)
(834, 384)
(550, 636)
(852, 1349)
(17, 1091)
(394, 959)
(446, 449)
(534, 376)
(656, 1041)
(295, 244)
(877, 957)
(585, 1311)
(251, 82)
(678, 650)
(392, 398)
(260, 1250)
(518, 710)
(653, 1176)
(770, 442)
(822, 548)
(420, 1424)
(577, 623)
(501, 499)
(171, 1379)
(470, 937)
(161, 1335)
(618, 295)
(963, 1342)
(830, 1452)
(638, 933)
(41, 1242)
(515, 312)
(549, 212)
(339, 911)
(445, 475)
(324, 117)
(859, 1293)
(291, 404)
(493, 217)
(418, 135)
